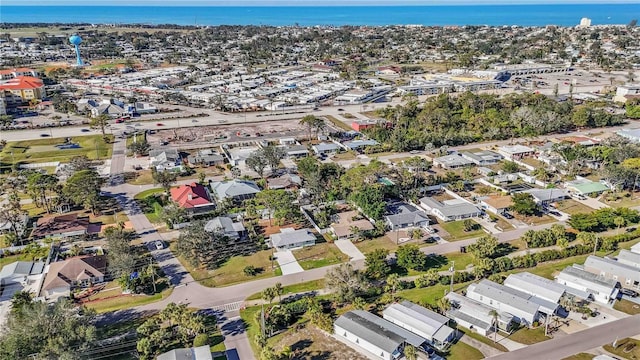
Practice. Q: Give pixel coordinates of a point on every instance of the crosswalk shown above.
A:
(234, 306)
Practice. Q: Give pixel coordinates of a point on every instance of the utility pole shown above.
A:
(153, 274)
(452, 270)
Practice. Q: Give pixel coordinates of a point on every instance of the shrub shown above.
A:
(201, 340)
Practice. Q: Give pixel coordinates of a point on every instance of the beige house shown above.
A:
(76, 272)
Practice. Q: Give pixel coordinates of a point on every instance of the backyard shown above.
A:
(319, 255)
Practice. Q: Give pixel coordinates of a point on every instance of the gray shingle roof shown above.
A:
(234, 188)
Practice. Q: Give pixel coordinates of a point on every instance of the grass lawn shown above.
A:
(33, 210)
(625, 201)
(143, 177)
(147, 193)
(462, 260)
(344, 156)
(44, 150)
(482, 339)
(249, 316)
(319, 255)
(429, 294)
(337, 123)
(581, 356)
(571, 207)
(13, 258)
(626, 348)
(125, 302)
(462, 351)
(549, 268)
(529, 336)
(535, 220)
(627, 306)
(456, 230)
(294, 289)
(116, 328)
(232, 272)
(367, 246)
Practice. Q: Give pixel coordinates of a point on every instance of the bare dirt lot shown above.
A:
(309, 343)
(203, 136)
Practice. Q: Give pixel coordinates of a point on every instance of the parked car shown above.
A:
(44, 135)
(85, 130)
(159, 124)
(628, 292)
(507, 215)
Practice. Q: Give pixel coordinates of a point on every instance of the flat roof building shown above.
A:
(505, 299)
(536, 286)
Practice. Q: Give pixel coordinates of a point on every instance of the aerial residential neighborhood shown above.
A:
(177, 193)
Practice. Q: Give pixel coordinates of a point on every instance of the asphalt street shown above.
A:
(577, 342)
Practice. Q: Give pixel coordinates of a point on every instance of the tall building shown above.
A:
(7, 74)
(26, 87)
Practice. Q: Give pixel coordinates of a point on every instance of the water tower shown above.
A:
(75, 40)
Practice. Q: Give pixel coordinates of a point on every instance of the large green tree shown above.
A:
(524, 204)
(43, 189)
(83, 188)
(60, 330)
(376, 264)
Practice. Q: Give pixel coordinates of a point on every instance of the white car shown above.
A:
(159, 245)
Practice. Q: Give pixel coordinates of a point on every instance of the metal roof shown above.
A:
(504, 295)
(629, 258)
(423, 322)
(457, 314)
(612, 267)
(376, 330)
(587, 279)
(535, 285)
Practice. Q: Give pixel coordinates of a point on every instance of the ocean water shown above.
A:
(523, 15)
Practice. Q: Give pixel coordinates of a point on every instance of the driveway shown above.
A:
(347, 247)
(288, 263)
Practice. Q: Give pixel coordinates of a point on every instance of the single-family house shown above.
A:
(452, 161)
(586, 187)
(586, 285)
(515, 152)
(144, 108)
(374, 336)
(505, 299)
(110, 108)
(286, 181)
(547, 196)
(406, 216)
(359, 144)
(15, 277)
(535, 285)
(422, 322)
(236, 190)
(476, 316)
(60, 226)
(225, 226)
(628, 276)
(206, 157)
(629, 258)
(482, 158)
(449, 210)
(165, 160)
(325, 148)
(296, 151)
(75, 272)
(195, 353)
(192, 197)
(497, 204)
(290, 238)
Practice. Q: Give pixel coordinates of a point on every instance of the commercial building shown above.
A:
(26, 87)
(450, 210)
(505, 299)
(422, 322)
(627, 275)
(374, 336)
(8, 74)
(586, 285)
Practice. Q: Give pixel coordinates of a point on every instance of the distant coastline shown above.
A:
(436, 15)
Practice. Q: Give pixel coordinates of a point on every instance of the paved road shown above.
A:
(577, 342)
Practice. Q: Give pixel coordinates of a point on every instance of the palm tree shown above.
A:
(443, 305)
(494, 314)
(279, 290)
(309, 121)
(410, 352)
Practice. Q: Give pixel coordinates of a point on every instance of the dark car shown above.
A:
(84, 130)
(507, 215)
(628, 292)
(341, 109)
(44, 135)
(555, 213)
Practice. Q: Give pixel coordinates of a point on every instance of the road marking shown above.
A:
(228, 307)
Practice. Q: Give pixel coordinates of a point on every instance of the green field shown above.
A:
(44, 150)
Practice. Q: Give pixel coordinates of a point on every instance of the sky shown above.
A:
(301, 2)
